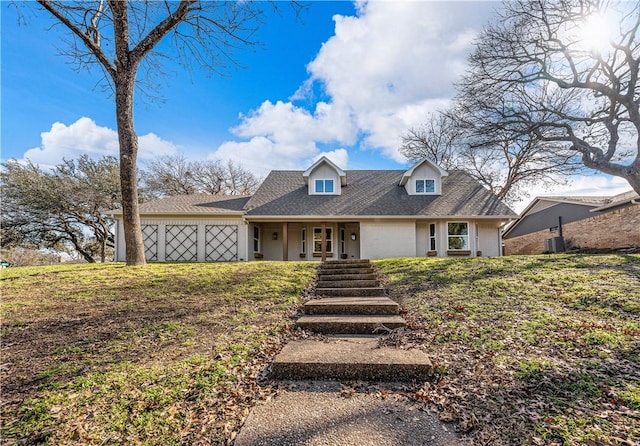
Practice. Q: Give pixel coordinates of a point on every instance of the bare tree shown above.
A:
(239, 180)
(175, 175)
(211, 177)
(438, 139)
(537, 70)
(169, 175)
(506, 163)
(120, 37)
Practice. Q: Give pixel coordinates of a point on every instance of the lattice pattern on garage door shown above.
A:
(182, 243)
(222, 243)
(150, 237)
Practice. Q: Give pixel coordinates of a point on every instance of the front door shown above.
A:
(351, 240)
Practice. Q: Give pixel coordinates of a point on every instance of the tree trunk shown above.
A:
(128, 140)
(103, 250)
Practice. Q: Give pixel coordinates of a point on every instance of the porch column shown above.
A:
(323, 226)
(285, 241)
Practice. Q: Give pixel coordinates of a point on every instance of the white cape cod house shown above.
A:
(328, 213)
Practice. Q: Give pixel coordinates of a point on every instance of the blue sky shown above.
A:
(346, 80)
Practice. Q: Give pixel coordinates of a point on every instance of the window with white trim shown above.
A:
(342, 240)
(432, 236)
(303, 241)
(256, 239)
(324, 186)
(458, 235)
(317, 240)
(425, 186)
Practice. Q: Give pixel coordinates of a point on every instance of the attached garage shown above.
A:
(190, 228)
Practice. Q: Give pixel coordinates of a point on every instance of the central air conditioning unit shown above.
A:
(554, 244)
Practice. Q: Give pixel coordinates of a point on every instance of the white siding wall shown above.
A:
(379, 240)
(422, 239)
(324, 172)
(201, 224)
(424, 172)
(295, 245)
(489, 239)
(271, 249)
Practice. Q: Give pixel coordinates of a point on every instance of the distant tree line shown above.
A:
(175, 175)
(66, 208)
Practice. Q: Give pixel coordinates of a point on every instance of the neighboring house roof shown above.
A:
(588, 204)
(618, 200)
(374, 193)
(194, 204)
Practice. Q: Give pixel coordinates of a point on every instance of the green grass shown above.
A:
(165, 354)
(528, 350)
(533, 350)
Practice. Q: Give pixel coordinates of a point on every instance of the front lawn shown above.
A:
(165, 354)
(529, 350)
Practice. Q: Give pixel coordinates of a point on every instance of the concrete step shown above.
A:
(352, 265)
(350, 324)
(350, 292)
(348, 262)
(343, 271)
(350, 358)
(347, 283)
(351, 276)
(352, 305)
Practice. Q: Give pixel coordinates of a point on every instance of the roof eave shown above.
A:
(175, 214)
(616, 204)
(374, 217)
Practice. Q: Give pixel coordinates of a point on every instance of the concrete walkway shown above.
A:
(350, 306)
(320, 414)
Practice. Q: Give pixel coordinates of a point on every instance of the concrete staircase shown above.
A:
(352, 309)
(350, 300)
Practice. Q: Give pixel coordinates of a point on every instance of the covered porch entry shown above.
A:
(321, 240)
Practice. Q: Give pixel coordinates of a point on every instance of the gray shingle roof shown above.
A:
(374, 193)
(618, 200)
(194, 204)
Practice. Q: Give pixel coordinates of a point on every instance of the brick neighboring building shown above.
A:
(582, 222)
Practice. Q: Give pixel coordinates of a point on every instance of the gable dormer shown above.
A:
(325, 178)
(424, 178)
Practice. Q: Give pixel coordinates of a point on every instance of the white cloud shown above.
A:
(339, 156)
(383, 70)
(86, 137)
(284, 123)
(260, 155)
(393, 58)
(284, 136)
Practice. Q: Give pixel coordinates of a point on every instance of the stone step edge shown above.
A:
(351, 292)
(364, 283)
(350, 357)
(347, 261)
(350, 323)
(352, 305)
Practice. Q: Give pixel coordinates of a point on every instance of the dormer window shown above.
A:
(425, 186)
(324, 187)
(324, 178)
(424, 178)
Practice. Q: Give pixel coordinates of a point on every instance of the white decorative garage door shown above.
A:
(221, 243)
(150, 237)
(181, 243)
